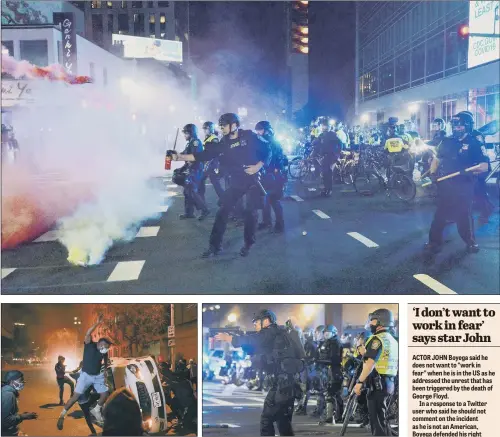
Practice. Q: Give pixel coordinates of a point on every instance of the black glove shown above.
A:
(170, 153)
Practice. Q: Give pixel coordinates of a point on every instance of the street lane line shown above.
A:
(219, 402)
(48, 236)
(6, 272)
(297, 198)
(433, 284)
(126, 271)
(148, 231)
(362, 239)
(321, 214)
(162, 208)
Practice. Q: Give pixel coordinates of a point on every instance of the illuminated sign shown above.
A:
(484, 19)
(159, 49)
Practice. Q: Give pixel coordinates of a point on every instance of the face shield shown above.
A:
(371, 324)
(327, 335)
(458, 128)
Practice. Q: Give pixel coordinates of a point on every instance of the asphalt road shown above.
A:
(235, 411)
(347, 244)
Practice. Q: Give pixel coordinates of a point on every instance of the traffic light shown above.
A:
(463, 31)
(300, 27)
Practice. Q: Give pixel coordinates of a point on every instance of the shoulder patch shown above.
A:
(375, 344)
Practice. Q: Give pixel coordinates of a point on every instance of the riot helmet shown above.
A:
(318, 334)
(438, 124)
(209, 127)
(265, 127)
(190, 130)
(265, 314)
(330, 331)
(229, 119)
(309, 333)
(462, 123)
(383, 317)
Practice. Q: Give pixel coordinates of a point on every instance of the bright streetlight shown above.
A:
(217, 307)
(413, 108)
(365, 118)
(231, 318)
(308, 310)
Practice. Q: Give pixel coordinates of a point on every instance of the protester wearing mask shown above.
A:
(14, 384)
(94, 356)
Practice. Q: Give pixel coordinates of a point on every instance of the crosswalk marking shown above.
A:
(6, 272)
(321, 214)
(48, 236)
(297, 198)
(148, 231)
(433, 284)
(362, 239)
(126, 271)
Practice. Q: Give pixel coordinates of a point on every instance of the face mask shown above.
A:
(373, 329)
(103, 350)
(18, 385)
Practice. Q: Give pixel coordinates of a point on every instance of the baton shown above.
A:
(257, 179)
(452, 175)
(168, 162)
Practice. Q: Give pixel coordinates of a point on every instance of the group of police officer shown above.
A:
(252, 166)
(298, 365)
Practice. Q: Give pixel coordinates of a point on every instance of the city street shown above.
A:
(41, 395)
(230, 410)
(347, 244)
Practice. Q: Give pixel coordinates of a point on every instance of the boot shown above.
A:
(211, 251)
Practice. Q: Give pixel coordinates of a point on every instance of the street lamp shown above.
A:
(365, 118)
(204, 309)
(232, 317)
(217, 307)
(308, 311)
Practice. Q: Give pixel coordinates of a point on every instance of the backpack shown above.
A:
(288, 352)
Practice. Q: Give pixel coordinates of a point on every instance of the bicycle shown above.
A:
(344, 167)
(398, 181)
(495, 168)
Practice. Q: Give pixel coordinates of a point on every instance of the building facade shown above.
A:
(151, 19)
(412, 62)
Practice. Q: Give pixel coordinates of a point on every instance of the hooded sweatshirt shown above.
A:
(10, 409)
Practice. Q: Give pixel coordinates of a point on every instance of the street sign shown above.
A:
(171, 343)
(171, 332)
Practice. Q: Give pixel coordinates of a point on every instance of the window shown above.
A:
(96, 4)
(163, 22)
(151, 4)
(448, 109)
(163, 4)
(368, 83)
(35, 51)
(484, 107)
(152, 26)
(431, 115)
(451, 52)
(138, 24)
(92, 70)
(59, 52)
(387, 77)
(9, 45)
(417, 64)
(403, 69)
(137, 5)
(435, 54)
(97, 28)
(122, 23)
(152, 18)
(105, 76)
(124, 4)
(110, 23)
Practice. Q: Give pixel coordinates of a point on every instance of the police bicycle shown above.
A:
(370, 177)
(352, 403)
(345, 167)
(296, 165)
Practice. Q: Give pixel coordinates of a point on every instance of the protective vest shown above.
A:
(395, 145)
(387, 364)
(210, 139)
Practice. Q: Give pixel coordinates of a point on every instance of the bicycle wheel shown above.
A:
(403, 186)
(349, 411)
(348, 176)
(392, 417)
(367, 183)
(295, 167)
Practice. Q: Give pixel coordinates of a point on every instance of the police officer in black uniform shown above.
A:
(455, 195)
(311, 351)
(328, 146)
(380, 368)
(212, 170)
(319, 379)
(190, 176)
(242, 154)
(269, 341)
(330, 355)
(274, 179)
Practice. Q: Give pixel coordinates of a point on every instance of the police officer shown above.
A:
(212, 170)
(330, 355)
(455, 195)
(274, 179)
(438, 132)
(318, 380)
(328, 147)
(190, 175)
(242, 154)
(311, 351)
(270, 338)
(380, 368)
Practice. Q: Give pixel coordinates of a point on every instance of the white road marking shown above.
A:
(48, 236)
(219, 402)
(169, 193)
(172, 186)
(126, 271)
(321, 214)
(297, 198)
(148, 231)
(362, 239)
(6, 272)
(433, 284)
(163, 208)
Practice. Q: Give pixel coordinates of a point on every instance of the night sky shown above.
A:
(247, 41)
